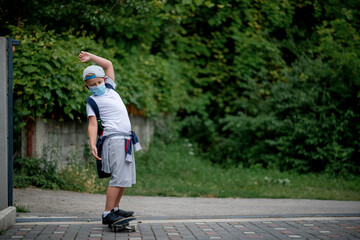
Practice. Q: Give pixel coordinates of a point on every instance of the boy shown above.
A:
(117, 129)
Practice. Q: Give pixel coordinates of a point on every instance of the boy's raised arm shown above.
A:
(102, 62)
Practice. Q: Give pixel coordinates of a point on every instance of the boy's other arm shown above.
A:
(92, 130)
(102, 62)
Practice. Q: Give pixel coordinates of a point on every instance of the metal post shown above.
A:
(11, 42)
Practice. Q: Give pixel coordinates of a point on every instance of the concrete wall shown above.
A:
(55, 140)
(62, 141)
(3, 125)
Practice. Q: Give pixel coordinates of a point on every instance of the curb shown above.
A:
(7, 218)
(299, 217)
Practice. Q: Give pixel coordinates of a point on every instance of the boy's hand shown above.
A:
(84, 56)
(95, 153)
(102, 62)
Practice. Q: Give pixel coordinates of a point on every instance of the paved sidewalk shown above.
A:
(256, 228)
(68, 215)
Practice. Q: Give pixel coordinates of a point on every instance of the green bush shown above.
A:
(48, 77)
(299, 127)
(36, 172)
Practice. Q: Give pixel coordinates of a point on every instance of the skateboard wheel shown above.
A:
(133, 228)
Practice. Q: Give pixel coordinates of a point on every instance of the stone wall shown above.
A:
(69, 140)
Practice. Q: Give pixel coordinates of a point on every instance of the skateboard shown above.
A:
(123, 225)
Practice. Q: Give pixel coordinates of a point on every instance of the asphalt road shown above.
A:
(46, 203)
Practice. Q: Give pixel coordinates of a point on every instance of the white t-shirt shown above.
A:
(113, 113)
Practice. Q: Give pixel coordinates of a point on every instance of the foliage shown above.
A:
(44, 80)
(36, 172)
(81, 176)
(51, 87)
(281, 93)
(300, 127)
(21, 209)
(177, 169)
(274, 83)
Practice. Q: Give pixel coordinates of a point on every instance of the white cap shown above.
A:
(96, 70)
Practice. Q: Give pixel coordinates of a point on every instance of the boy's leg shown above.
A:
(112, 196)
(117, 202)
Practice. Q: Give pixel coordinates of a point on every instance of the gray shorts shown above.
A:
(123, 173)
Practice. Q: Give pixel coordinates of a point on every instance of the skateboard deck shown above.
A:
(123, 225)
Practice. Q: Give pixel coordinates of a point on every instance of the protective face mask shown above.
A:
(98, 90)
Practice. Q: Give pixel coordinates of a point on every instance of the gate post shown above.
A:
(11, 42)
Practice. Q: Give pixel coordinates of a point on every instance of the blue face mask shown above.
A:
(98, 90)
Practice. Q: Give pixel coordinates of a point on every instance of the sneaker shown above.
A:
(124, 213)
(111, 218)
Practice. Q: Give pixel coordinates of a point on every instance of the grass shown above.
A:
(21, 209)
(174, 170)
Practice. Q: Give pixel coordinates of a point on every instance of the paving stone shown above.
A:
(324, 229)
